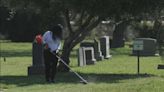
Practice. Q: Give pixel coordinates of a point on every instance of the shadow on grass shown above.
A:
(113, 78)
(15, 53)
(69, 78)
(120, 51)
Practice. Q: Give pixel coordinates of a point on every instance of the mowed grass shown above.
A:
(117, 74)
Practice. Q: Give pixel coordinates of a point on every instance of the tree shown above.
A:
(4, 14)
(86, 18)
(81, 16)
(22, 21)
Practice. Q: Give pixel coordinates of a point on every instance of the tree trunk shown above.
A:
(69, 44)
(75, 37)
(65, 56)
(157, 29)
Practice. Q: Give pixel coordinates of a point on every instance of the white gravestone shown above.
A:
(86, 56)
(104, 45)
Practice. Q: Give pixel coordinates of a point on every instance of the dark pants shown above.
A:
(50, 61)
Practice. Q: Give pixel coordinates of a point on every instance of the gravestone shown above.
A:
(96, 46)
(86, 56)
(81, 57)
(37, 67)
(104, 45)
(89, 55)
(97, 51)
(118, 40)
(149, 47)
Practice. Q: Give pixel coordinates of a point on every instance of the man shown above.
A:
(51, 41)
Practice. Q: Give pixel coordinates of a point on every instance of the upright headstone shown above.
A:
(86, 56)
(96, 46)
(37, 67)
(104, 45)
(97, 50)
(149, 47)
(81, 57)
(89, 55)
(118, 35)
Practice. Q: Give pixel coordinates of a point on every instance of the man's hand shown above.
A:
(56, 53)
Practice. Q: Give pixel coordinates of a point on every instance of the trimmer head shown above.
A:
(84, 82)
(80, 77)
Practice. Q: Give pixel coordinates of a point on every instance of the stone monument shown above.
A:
(37, 67)
(104, 45)
(86, 56)
(97, 50)
(96, 46)
(149, 47)
(118, 40)
(81, 57)
(89, 55)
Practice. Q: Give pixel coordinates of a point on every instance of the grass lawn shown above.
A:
(117, 74)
